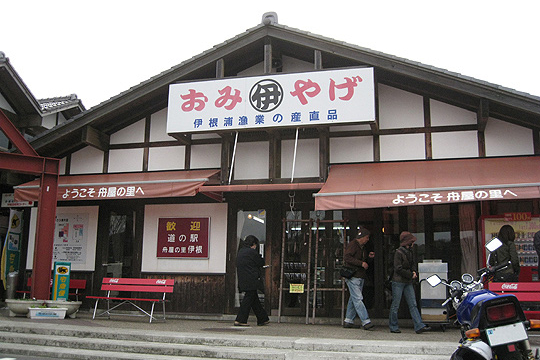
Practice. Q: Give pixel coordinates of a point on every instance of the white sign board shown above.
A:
(8, 200)
(300, 99)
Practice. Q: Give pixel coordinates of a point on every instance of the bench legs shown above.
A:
(144, 312)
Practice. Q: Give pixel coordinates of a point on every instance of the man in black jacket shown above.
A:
(249, 264)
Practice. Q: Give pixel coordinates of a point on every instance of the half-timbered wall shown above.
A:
(406, 133)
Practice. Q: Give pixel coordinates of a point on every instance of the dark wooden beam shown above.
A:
(220, 68)
(267, 58)
(185, 139)
(324, 152)
(427, 125)
(483, 114)
(318, 60)
(95, 138)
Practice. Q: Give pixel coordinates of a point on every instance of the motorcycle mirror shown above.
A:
(434, 280)
(494, 244)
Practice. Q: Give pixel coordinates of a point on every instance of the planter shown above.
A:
(47, 313)
(71, 306)
(20, 307)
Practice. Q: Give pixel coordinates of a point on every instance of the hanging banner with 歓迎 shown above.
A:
(183, 238)
(11, 250)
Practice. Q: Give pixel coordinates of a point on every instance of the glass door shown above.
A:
(251, 222)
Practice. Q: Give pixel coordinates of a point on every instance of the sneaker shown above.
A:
(264, 323)
(348, 325)
(397, 331)
(369, 326)
(424, 329)
(236, 323)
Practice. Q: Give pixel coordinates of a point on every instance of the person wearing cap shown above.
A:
(405, 272)
(356, 256)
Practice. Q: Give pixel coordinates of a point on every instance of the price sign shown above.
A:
(523, 216)
(296, 288)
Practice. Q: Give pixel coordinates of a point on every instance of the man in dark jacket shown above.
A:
(356, 256)
(249, 264)
(405, 272)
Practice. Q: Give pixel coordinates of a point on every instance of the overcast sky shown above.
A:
(100, 48)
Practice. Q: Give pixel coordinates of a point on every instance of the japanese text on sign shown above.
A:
(105, 192)
(183, 237)
(314, 98)
(451, 196)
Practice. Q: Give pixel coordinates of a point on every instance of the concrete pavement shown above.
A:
(205, 337)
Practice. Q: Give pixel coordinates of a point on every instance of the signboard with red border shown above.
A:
(183, 238)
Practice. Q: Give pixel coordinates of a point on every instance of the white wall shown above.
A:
(217, 253)
(457, 144)
(206, 156)
(351, 149)
(125, 160)
(399, 109)
(130, 134)
(252, 161)
(503, 138)
(90, 233)
(402, 147)
(88, 160)
(307, 158)
(167, 158)
(158, 127)
(443, 114)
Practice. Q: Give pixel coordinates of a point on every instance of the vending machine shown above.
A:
(525, 226)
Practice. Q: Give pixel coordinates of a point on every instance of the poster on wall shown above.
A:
(70, 235)
(183, 238)
(525, 226)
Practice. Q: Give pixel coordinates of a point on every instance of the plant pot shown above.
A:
(46, 313)
(71, 306)
(19, 307)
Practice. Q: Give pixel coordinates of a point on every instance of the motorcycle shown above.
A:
(492, 326)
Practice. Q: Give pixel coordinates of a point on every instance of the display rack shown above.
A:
(338, 264)
(293, 271)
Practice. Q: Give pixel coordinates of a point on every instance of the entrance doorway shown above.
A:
(118, 242)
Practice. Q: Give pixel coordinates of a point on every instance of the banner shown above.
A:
(11, 250)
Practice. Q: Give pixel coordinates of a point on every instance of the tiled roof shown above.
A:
(58, 103)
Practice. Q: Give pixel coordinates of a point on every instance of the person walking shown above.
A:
(507, 252)
(356, 256)
(249, 264)
(405, 272)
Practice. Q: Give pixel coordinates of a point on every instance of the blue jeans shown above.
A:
(356, 303)
(399, 289)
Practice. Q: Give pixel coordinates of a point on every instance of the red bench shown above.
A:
(528, 294)
(154, 286)
(75, 288)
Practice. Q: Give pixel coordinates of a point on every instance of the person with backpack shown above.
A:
(405, 272)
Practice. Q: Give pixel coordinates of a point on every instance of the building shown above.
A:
(423, 149)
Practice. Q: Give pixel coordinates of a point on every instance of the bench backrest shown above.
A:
(73, 283)
(142, 285)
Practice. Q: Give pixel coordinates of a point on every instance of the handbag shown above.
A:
(347, 272)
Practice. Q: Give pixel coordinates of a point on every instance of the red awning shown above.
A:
(122, 186)
(358, 186)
